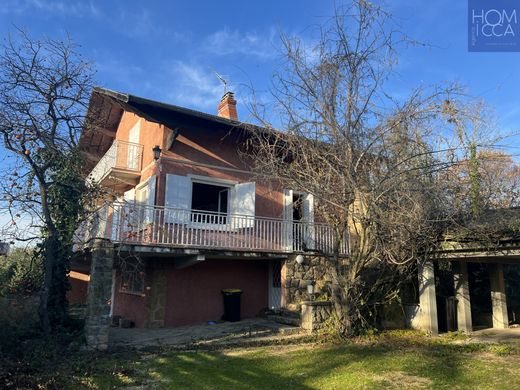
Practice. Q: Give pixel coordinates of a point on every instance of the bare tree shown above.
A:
(372, 162)
(44, 90)
(500, 179)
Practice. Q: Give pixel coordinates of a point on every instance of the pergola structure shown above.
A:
(495, 253)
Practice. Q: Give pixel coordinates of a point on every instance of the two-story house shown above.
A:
(186, 216)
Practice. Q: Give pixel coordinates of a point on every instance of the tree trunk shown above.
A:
(53, 301)
(339, 299)
(344, 325)
(48, 263)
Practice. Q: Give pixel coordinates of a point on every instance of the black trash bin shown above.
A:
(231, 305)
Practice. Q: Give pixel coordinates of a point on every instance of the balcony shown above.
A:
(126, 223)
(120, 166)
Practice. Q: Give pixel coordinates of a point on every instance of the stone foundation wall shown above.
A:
(298, 276)
(156, 304)
(314, 314)
(97, 324)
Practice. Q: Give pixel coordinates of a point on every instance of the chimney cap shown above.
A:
(228, 95)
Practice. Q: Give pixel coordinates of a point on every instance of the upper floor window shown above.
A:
(209, 198)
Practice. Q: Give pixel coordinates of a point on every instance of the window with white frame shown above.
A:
(190, 197)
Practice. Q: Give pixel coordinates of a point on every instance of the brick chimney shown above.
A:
(227, 108)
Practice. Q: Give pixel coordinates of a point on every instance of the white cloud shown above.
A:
(226, 42)
(194, 86)
(66, 8)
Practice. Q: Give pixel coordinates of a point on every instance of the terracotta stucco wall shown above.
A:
(215, 153)
(268, 199)
(150, 134)
(129, 306)
(203, 152)
(194, 293)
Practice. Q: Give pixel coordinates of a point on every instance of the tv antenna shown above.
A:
(223, 80)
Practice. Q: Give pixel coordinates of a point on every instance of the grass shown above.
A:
(388, 361)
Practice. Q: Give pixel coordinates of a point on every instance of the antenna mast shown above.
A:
(223, 80)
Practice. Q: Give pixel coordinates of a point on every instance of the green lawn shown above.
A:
(394, 364)
(385, 362)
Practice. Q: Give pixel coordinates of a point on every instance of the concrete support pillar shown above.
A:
(427, 298)
(498, 296)
(97, 324)
(461, 284)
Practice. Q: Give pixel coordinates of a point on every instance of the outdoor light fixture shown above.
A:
(310, 291)
(299, 259)
(156, 152)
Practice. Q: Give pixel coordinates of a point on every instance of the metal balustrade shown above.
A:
(121, 155)
(163, 226)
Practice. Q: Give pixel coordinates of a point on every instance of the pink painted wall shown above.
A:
(216, 149)
(129, 306)
(194, 293)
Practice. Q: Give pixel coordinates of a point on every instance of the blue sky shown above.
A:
(168, 50)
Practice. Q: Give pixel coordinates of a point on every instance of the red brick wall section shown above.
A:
(194, 293)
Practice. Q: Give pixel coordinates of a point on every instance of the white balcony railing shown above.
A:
(163, 226)
(121, 155)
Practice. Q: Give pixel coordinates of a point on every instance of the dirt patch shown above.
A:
(402, 380)
(273, 350)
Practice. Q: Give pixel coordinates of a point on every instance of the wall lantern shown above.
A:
(311, 291)
(156, 152)
(299, 259)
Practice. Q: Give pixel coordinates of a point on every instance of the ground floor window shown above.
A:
(132, 277)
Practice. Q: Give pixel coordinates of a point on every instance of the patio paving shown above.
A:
(254, 329)
(491, 335)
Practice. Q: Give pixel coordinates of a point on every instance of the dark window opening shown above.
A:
(297, 207)
(445, 297)
(480, 295)
(212, 201)
(132, 277)
(298, 217)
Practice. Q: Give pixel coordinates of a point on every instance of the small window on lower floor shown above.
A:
(132, 277)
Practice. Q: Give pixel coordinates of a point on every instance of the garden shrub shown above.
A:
(21, 273)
